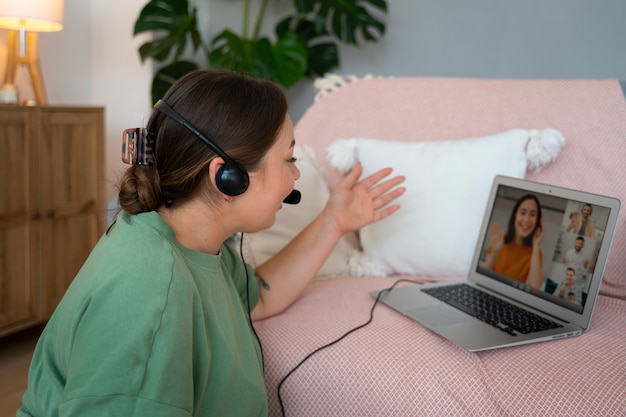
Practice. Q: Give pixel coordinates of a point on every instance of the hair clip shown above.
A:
(137, 147)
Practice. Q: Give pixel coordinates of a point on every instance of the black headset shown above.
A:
(231, 178)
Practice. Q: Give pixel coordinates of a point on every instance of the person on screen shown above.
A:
(565, 290)
(582, 223)
(575, 259)
(516, 253)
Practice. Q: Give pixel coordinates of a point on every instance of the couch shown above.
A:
(389, 365)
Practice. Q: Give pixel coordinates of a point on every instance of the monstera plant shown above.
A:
(304, 42)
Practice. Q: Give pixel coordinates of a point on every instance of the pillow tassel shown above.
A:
(542, 147)
(362, 265)
(342, 154)
(331, 82)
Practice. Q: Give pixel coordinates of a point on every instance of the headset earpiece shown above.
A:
(231, 178)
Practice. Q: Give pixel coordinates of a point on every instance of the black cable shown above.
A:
(307, 357)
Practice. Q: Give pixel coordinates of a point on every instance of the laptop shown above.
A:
(515, 294)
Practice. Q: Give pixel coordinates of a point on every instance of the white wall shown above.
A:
(120, 81)
(94, 60)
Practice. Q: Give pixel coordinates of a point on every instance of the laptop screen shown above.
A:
(544, 245)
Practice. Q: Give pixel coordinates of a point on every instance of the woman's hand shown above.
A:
(539, 234)
(496, 238)
(354, 204)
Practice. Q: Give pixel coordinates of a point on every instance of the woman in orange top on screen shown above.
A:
(516, 253)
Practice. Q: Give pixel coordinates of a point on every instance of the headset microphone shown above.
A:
(293, 197)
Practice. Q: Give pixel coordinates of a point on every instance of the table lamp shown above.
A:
(24, 18)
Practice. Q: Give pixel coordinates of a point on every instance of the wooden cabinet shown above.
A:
(52, 205)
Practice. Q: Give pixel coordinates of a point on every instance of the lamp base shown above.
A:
(8, 94)
(30, 59)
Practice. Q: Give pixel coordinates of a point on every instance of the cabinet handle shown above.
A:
(35, 215)
(49, 214)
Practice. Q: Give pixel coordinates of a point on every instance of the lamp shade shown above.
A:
(32, 15)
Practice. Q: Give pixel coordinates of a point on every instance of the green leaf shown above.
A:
(304, 6)
(322, 50)
(228, 51)
(284, 62)
(166, 76)
(346, 19)
(323, 58)
(261, 63)
(172, 24)
(290, 59)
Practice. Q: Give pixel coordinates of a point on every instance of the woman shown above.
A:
(158, 320)
(517, 254)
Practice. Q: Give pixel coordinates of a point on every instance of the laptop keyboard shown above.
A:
(492, 310)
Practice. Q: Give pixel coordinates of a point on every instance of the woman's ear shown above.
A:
(214, 167)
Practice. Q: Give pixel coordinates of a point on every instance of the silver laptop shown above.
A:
(535, 273)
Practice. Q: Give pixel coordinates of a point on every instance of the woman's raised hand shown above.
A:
(355, 203)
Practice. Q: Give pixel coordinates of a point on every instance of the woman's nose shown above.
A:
(296, 172)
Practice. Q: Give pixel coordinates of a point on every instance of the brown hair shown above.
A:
(242, 115)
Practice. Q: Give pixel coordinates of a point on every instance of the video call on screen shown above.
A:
(573, 235)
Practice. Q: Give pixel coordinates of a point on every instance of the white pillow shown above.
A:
(448, 183)
(291, 219)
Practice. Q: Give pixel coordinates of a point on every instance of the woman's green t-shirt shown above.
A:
(150, 328)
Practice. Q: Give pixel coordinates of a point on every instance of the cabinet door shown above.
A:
(19, 295)
(71, 158)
